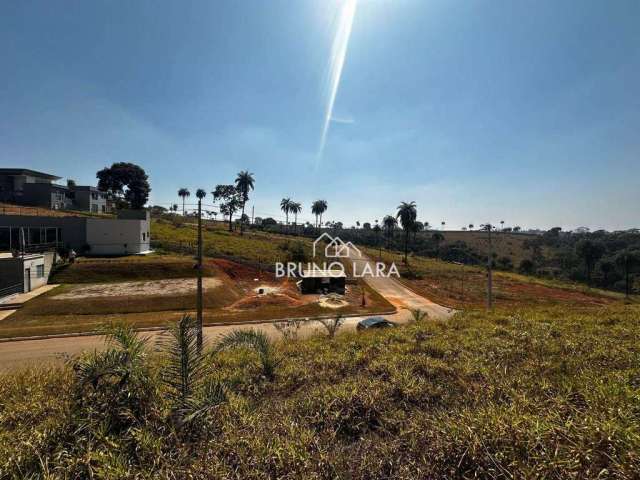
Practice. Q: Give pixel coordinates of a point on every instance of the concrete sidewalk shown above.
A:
(20, 298)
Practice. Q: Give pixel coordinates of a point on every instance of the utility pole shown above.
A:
(199, 273)
(489, 272)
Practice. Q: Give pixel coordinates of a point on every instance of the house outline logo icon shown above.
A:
(336, 248)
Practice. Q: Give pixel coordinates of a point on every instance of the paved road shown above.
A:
(34, 352)
(396, 293)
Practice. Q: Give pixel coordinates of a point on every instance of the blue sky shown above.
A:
(527, 112)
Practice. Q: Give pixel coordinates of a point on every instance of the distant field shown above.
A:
(504, 244)
(257, 247)
(451, 285)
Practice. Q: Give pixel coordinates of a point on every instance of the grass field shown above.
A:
(454, 286)
(253, 246)
(545, 393)
(122, 269)
(505, 244)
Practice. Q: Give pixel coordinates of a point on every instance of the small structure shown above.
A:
(128, 234)
(323, 281)
(22, 273)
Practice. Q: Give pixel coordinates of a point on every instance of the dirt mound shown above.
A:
(332, 300)
(240, 271)
(129, 289)
(273, 300)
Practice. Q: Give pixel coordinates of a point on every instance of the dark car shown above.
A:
(374, 322)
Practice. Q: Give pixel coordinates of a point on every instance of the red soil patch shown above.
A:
(239, 271)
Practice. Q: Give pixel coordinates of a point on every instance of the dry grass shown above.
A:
(123, 269)
(454, 286)
(545, 393)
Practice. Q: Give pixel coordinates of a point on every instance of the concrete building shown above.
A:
(89, 199)
(23, 273)
(29, 187)
(129, 233)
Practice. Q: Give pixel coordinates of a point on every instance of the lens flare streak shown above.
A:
(336, 64)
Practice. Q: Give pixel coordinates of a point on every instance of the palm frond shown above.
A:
(186, 366)
(254, 340)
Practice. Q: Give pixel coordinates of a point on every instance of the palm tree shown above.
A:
(257, 341)
(244, 183)
(471, 226)
(318, 208)
(377, 231)
(502, 224)
(389, 223)
(285, 206)
(443, 223)
(295, 208)
(184, 193)
(407, 214)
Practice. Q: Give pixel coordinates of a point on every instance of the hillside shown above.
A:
(544, 393)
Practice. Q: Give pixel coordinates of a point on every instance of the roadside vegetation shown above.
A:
(465, 286)
(533, 393)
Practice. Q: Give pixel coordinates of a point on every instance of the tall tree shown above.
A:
(322, 207)
(230, 201)
(295, 208)
(285, 206)
(629, 261)
(316, 209)
(377, 231)
(244, 184)
(389, 224)
(184, 193)
(407, 214)
(127, 183)
(438, 238)
(590, 252)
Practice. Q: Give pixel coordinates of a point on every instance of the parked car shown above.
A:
(374, 322)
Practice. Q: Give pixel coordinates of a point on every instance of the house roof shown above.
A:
(26, 171)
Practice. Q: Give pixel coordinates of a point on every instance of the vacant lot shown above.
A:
(545, 393)
(231, 296)
(454, 286)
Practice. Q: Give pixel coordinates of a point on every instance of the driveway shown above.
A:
(35, 352)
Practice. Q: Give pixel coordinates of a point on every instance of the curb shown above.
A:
(214, 324)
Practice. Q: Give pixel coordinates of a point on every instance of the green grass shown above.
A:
(533, 393)
(255, 247)
(125, 269)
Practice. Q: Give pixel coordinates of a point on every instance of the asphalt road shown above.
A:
(35, 352)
